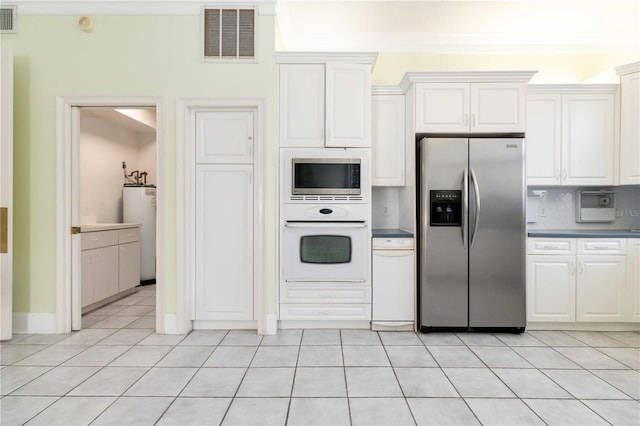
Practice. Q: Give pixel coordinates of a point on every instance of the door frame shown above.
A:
(68, 311)
(6, 193)
(185, 200)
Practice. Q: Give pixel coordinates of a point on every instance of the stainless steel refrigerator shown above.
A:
(472, 234)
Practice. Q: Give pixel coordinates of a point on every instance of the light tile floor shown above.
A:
(116, 371)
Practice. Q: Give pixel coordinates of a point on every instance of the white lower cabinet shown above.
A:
(583, 280)
(224, 242)
(633, 279)
(110, 263)
(551, 288)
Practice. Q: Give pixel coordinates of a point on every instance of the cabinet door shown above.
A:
(498, 107)
(587, 139)
(301, 105)
(442, 107)
(543, 143)
(224, 242)
(348, 108)
(388, 141)
(630, 129)
(393, 285)
(633, 280)
(224, 136)
(600, 294)
(551, 289)
(129, 267)
(105, 270)
(87, 276)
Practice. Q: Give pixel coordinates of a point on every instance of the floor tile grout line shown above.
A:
(395, 374)
(344, 374)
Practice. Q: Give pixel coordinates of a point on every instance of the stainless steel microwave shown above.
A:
(326, 176)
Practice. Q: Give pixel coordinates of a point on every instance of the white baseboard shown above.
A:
(224, 325)
(170, 324)
(588, 326)
(34, 323)
(359, 324)
(272, 323)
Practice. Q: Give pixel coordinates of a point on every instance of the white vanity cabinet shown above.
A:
(110, 263)
(579, 280)
(324, 101)
(388, 140)
(571, 135)
(629, 123)
(476, 107)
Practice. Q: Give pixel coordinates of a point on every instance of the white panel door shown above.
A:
(442, 107)
(551, 288)
(301, 105)
(497, 107)
(543, 139)
(224, 242)
(587, 139)
(129, 266)
(6, 193)
(630, 129)
(224, 136)
(633, 279)
(601, 286)
(348, 105)
(388, 141)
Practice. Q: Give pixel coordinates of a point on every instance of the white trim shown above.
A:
(272, 324)
(588, 326)
(64, 105)
(171, 324)
(358, 324)
(185, 199)
(225, 325)
(386, 90)
(368, 58)
(465, 77)
(628, 69)
(34, 323)
(572, 88)
(124, 7)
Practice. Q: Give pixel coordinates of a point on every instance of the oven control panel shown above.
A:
(331, 212)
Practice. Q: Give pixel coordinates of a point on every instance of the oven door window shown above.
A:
(325, 249)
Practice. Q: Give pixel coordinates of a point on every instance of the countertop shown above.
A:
(95, 227)
(584, 233)
(391, 233)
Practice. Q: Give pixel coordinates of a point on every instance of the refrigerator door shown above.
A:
(497, 233)
(443, 249)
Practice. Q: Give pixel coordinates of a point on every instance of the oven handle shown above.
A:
(328, 280)
(324, 225)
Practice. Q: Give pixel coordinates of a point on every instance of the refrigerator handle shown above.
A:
(465, 206)
(476, 193)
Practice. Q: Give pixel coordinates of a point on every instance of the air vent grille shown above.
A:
(325, 198)
(7, 19)
(229, 34)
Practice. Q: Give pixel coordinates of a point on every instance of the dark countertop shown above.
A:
(392, 233)
(584, 233)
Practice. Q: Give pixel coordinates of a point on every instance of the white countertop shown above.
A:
(95, 227)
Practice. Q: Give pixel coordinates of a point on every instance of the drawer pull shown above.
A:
(325, 312)
(550, 247)
(598, 248)
(325, 295)
(95, 239)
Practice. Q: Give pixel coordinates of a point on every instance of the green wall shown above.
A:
(125, 55)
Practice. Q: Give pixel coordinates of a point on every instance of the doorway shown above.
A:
(92, 145)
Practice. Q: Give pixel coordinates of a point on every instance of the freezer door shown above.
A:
(497, 233)
(443, 253)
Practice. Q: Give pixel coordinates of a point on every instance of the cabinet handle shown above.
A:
(598, 248)
(556, 174)
(473, 120)
(325, 295)
(321, 134)
(580, 268)
(573, 268)
(550, 247)
(466, 119)
(325, 312)
(564, 174)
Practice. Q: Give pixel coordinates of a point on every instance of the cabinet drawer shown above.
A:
(340, 293)
(91, 240)
(602, 246)
(129, 235)
(325, 312)
(551, 245)
(392, 244)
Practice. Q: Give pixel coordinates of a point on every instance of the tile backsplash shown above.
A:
(555, 208)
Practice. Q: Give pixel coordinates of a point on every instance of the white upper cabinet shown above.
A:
(630, 124)
(302, 105)
(224, 137)
(388, 140)
(570, 135)
(348, 105)
(470, 107)
(324, 101)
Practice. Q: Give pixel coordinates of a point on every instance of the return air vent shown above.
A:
(8, 19)
(229, 34)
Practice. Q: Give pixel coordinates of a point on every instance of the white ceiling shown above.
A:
(460, 26)
(139, 120)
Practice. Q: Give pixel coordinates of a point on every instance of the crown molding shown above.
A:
(465, 77)
(386, 90)
(128, 8)
(628, 68)
(368, 58)
(571, 88)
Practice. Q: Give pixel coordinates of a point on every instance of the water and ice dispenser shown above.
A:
(446, 208)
